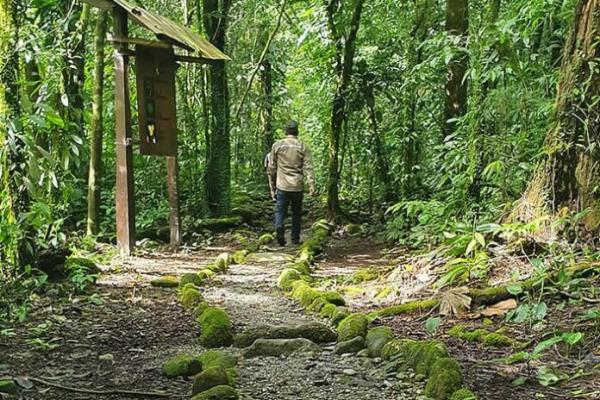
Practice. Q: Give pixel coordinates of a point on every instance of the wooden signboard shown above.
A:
(157, 112)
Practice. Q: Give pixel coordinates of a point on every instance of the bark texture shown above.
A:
(218, 171)
(96, 128)
(567, 178)
(345, 46)
(457, 26)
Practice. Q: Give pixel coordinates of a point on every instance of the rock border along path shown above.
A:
(250, 295)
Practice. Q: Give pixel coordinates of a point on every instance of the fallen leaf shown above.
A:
(455, 302)
(24, 382)
(499, 308)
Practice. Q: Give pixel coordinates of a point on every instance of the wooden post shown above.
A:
(125, 189)
(174, 219)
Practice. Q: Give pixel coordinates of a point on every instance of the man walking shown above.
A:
(289, 161)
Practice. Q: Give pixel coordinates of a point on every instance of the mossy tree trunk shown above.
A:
(218, 170)
(568, 177)
(266, 83)
(457, 25)
(96, 128)
(345, 48)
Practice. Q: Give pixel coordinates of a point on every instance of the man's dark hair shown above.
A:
(291, 128)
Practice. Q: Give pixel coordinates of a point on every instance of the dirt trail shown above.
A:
(120, 339)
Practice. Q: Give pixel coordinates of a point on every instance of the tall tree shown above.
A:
(266, 85)
(96, 128)
(345, 48)
(218, 154)
(568, 176)
(457, 25)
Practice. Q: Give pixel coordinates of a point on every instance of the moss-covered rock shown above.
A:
(181, 365)
(222, 262)
(239, 257)
(265, 239)
(221, 392)
(420, 355)
(217, 358)
(302, 267)
(395, 348)
(350, 346)
(165, 281)
(7, 385)
(493, 339)
(334, 297)
(328, 310)
(314, 331)
(194, 279)
(463, 394)
(339, 315)
(189, 296)
(199, 309)
(353, 229)
(216, 328)
(207, 273)
(377, 338)
(364, 275)
(218, 224)
(286, 278)
(209, 378)
(445, 378)
(406, 308)
(317, 304)
(352, 326)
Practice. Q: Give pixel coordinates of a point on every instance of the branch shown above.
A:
(260, 61)
(101, 392)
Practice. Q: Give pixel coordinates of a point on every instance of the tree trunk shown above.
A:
(96, 128)
(74, 70)
(567, 177)
(218, 171)
(266, 80)
(343, 65)
(457, 25)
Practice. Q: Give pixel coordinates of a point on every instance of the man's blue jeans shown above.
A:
(284, 199)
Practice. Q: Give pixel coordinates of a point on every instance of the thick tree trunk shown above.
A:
(344, 63)
(96, 128)
(457, 25)
(218, 171)
(567, 177)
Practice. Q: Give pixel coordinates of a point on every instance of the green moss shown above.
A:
(216, 328)
(395, 348)
(209, 378)
(302, 267)
(217, 358)
(190, 296)
(221, 392)
(364, 275)
(328, 310)
(352, 326)
(493, 339)
(82, 264)
(7, 385)
(317, 304)
(419, 355)
(265, 239)
(207, 273)
(286, 278)
(219, 224)
(181, 365)
(222, 262)
(445, 379)
(377, 338)
(194, 279)
(413, 306)
(339, 315)
(353, 229)
(352, 291)
(334, 297)
(321, 225)
(384, 292)
(239, 257)
(199, 309)
(305, 255)
(463, 394)
(165, 281)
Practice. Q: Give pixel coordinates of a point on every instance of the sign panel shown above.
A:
(157, 112)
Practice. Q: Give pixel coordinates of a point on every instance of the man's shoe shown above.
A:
(281, 241)
(297, 242)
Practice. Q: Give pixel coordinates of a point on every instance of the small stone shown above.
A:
(350, 346)
(349, 372)
(279, 347)
(377, 360)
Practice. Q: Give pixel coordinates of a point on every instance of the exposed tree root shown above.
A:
(101, 392)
